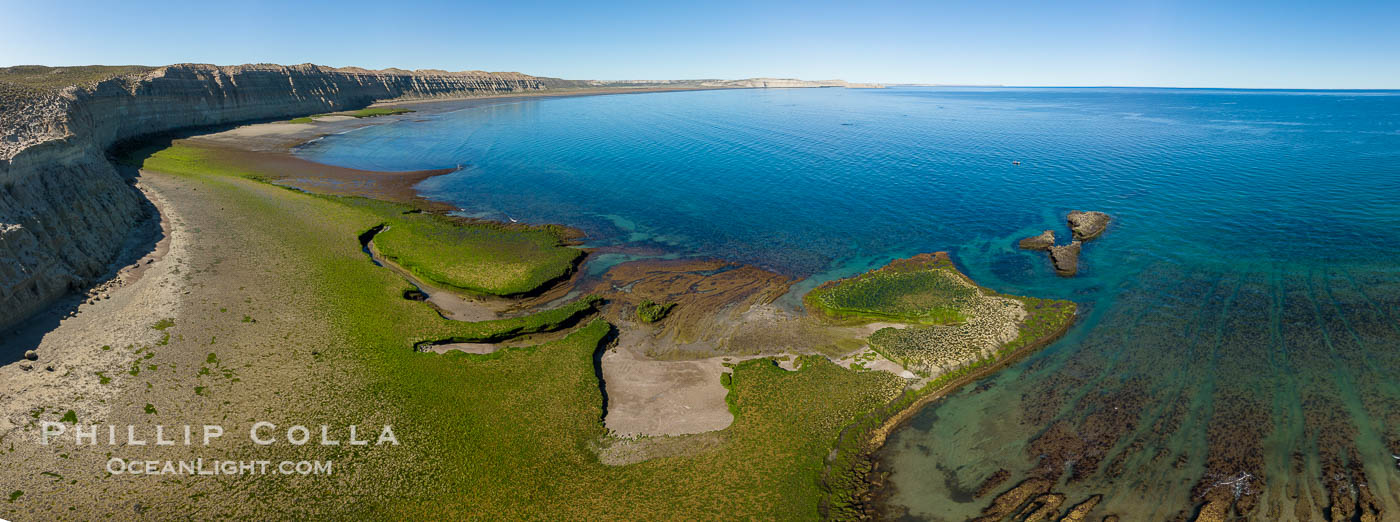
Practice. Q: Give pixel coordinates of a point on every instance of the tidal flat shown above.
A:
(1217, 361)
(325, 303)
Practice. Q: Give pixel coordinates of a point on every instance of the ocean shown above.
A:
(1240, 327)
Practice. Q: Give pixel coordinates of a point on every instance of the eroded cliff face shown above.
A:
(64, 209)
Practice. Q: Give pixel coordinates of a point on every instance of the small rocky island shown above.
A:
(1083, 226)
(1087, 225)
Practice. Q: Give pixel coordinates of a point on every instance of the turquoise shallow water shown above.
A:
(1242, 321)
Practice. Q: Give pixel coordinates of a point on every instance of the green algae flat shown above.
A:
(484, 258)
(378, 111)
(513, 432)
(925, 289)
(186, 159)
(470, 256)
(371, 112)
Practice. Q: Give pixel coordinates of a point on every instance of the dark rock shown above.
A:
(31, 355)
(1087, 225)
(1066, 258)
(1043, 241)
(1008, 503)
(994, 480)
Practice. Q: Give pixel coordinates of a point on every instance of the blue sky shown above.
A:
(1246, 43)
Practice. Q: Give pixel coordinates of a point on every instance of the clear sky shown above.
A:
(1240, 43)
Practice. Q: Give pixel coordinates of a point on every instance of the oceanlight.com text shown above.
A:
(120, 466)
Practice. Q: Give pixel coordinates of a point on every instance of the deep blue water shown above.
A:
(1242, 308)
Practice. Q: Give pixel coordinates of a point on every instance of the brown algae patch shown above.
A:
(664, 377)
(709, 299)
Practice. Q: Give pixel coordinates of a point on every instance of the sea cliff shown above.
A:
(64, 209)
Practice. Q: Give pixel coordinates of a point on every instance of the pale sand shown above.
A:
(476, 348)
(148, 291)
(872, 360)
(233, 289)
(649, 397)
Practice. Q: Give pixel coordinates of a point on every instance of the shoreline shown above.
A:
(288, 166)
(274, 145)
(146, 277)
(560, 93)
(868, 487)
(877, 437)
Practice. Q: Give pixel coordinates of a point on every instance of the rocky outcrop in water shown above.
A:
(1066, 258)
(1087, 225)
(1043, 241)
(1010, 502)
(64, 209)
(993, 481)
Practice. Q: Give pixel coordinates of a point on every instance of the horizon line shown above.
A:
(838, 78)
(1106, 86)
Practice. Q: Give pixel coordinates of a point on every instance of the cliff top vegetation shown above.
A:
(43, 79)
